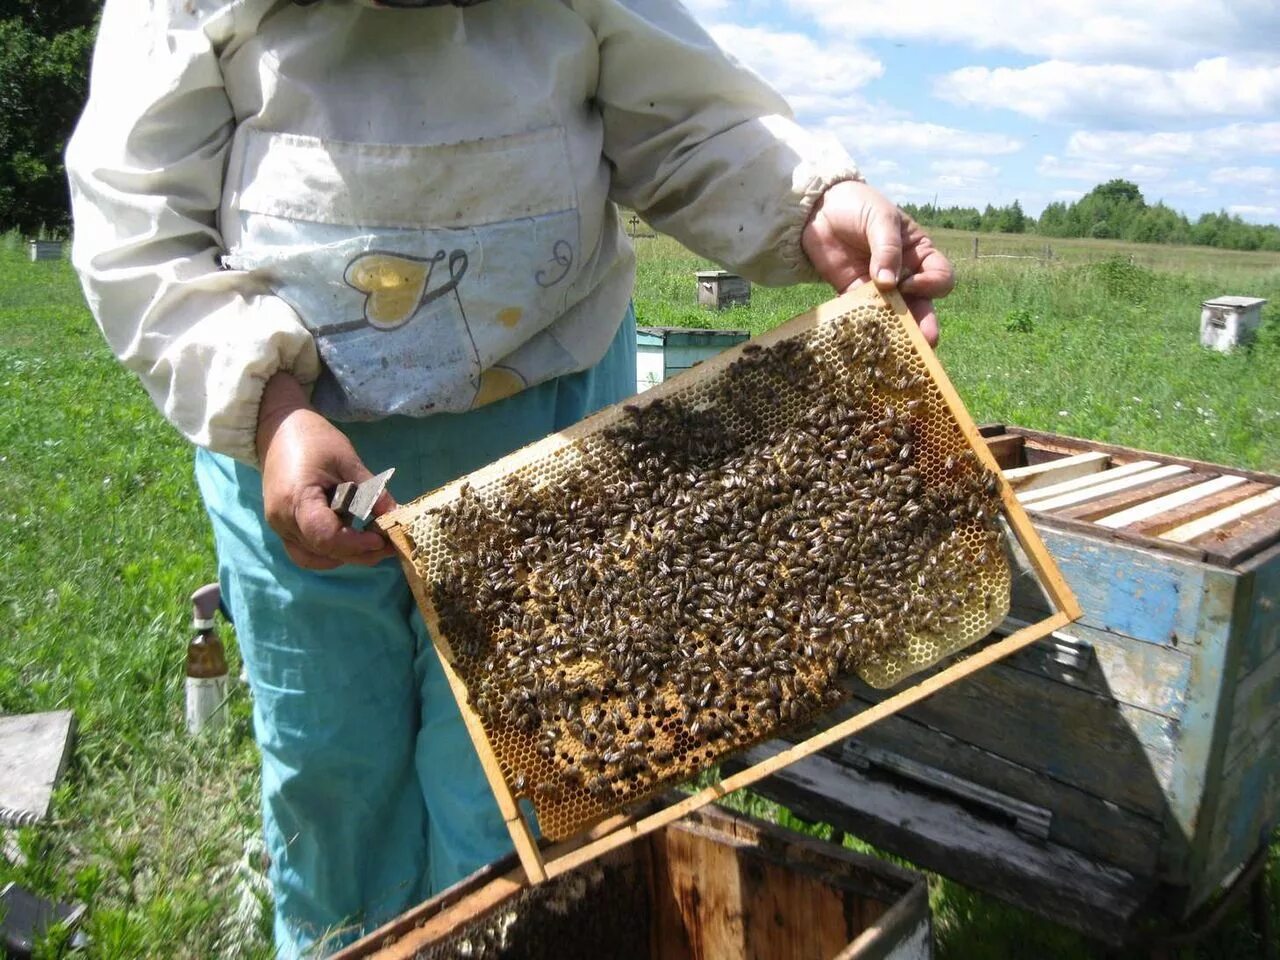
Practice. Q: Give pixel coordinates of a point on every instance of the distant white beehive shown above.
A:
(1229, 322)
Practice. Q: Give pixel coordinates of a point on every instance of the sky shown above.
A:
(988, 101)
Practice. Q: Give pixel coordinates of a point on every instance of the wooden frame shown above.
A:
(541, 864)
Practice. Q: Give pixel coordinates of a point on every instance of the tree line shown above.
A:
(44, 76)
(1115, 210)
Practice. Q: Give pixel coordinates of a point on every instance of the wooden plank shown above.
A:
(1255, 712)
(903, 932)
(787, 913)
(1047, 878)
(1082, 820)
(1115, 485)
(1192, 493)
(1251, 535)
(1149, 676)
(1178, 516)
(1032, 497)
(667, 932)
(1093, 743)
(1196, 529)
(1006, 450)
(1262, 636)
(1096, 510)
(704, 879)
(34, 749)
(1250, 798)
(1125, 589)
(1055, 471)
(1184, 551)
(1120, 454)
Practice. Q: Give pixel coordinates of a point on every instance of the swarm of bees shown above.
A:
(711, 571)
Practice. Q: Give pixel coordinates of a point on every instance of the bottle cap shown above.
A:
(204, 604)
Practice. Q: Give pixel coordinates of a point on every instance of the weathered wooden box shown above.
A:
(712, 885)
(721, 289)
(1229, 322)
(1118, 773)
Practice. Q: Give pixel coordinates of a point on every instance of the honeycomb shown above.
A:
(691, 573)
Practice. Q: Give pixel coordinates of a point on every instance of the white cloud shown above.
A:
(1212, 144)
(1267, 178)
(1097, 170)
(1185, 188)
(964, 170)
(1259, 214)
(880, 167)
(1059, 90)
(1160, 32)
(867, 136)
(817, 79)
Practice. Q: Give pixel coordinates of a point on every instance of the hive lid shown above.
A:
(1239, 302)
(651, 336)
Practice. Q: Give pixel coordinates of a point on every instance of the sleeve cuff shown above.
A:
(811, 187)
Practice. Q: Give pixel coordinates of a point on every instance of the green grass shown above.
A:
(1100, 348)
(103, 538)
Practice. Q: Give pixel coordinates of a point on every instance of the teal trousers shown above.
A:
(373, 798)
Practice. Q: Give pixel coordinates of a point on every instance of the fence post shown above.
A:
(975, 248)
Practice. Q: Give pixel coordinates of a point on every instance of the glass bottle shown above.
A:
(206, 664)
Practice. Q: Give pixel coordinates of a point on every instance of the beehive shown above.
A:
(681, 577)
(714, 884)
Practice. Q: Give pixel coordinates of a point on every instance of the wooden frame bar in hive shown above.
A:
(541, 863)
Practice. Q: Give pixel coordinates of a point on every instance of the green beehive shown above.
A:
(663, 352)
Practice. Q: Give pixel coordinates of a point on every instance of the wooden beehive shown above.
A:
(721, 290)
(1114, 775)
(1230, 322)
(45, 250)
(710, 885)
(756, 408)
(666, 352)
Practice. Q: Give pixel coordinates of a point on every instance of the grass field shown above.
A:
(102, 538)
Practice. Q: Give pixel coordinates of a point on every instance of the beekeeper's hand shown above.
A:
(304, 457)
(856, 235)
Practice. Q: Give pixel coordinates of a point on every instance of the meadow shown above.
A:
(102, 538)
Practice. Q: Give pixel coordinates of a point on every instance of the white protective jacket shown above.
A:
(411, 209)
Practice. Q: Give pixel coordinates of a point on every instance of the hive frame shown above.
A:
(541, 864)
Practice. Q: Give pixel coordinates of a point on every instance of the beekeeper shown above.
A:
(336, 236)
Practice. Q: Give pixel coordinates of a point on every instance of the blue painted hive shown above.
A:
(1117, 775)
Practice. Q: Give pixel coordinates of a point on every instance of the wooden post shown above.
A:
(975, 248)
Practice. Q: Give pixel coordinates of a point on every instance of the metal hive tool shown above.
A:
(677, 578)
